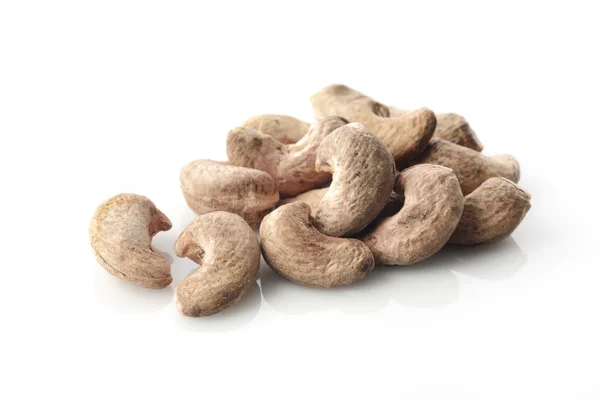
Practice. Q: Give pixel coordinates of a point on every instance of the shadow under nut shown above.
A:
(295, 249)
(228, 252)
(121, 233)
(216, 186)
(363, 178)
(283, 128)
(470, 167)
(433, 204)
(492, 212)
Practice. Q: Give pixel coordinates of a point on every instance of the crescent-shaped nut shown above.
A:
(121, 234)
(229, 256)
(492, 212)
(283, 128)
(292, 166)
(363, 178)
(294, 248)
(471, 168)
(405, 136)
(433, 204)
(215, 186)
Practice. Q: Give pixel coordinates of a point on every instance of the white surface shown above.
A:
(98, 98)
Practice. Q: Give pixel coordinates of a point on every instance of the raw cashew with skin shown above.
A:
(312, 198)
(121, 233)
(228, 253)
(283, 128)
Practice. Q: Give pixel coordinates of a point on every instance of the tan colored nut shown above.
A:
(121, 234)
(292, 166)
(283, 128)
(363, 178)
(433, 204)
(293, 247)
(228, 253)
(312, 198)
(215, 186)
(492, 212)
(406, 136)
(471, 167)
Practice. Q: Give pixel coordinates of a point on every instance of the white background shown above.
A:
(103, 97)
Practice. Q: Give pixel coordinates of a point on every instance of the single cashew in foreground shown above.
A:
(405, 136)
(292, 166)
(470, 167)
(433, 204)
(283, 128)
(294, 248)
(121, 233)
(363, 178)
(228, 253)
(492, 212)
(215, 186)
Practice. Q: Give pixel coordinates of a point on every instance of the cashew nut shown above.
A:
(215, 186)
(121, 234)
(405, 136)
(283, 128)
(293, 247)
(292, 166)
(312, 198)
(492, 212)
(470, 167)
(363, 178)
(228, 253)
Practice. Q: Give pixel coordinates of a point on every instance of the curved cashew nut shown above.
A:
(470, 167)
(283, 128)
(405, 136)
(215, 186)
(229, 256)
(121, 234)
(294, 248)
(492, 212)
(433, 204)
(363, 178)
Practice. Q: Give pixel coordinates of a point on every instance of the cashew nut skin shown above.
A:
(295, 249)
(363, 178)
(215, 186)
(228, 252)
(433, 204)
(283, 128)
(312, 198)
(121, 234)
(292, 166)
(405, 136)
(492, 212)
(470, 167)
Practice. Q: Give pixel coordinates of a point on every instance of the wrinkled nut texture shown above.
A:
(492, 212)
(294, 248)
(215, 186)
(121, 233)
(312, 198)
(228, 252)
(292, 166)
(433, 204)
(363, 178)
(283, 128)
(405, 136)
(470, 167)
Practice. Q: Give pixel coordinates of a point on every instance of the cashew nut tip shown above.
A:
(283, 128)
(121, 233)
(295, 249)
(228, 254)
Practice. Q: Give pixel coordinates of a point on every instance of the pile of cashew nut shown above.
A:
(363, 185)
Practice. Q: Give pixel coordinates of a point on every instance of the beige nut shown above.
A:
(492, 212)
(312, 198)
(433, 204)
(363, 178)
(292, 166)
(228, 253)
(215, 186)
(121, 234)
(283, 128)
(405, 136)
(470, 167)
(293, 247)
